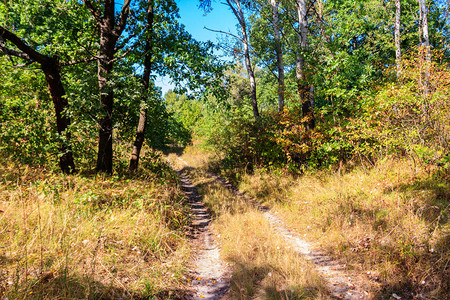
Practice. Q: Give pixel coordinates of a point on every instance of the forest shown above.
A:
(331, 116)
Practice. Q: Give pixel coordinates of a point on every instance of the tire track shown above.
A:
(210, 278)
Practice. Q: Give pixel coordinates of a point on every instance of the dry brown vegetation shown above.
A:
(91, 236)
(389, 223)
(99, 237)
(263, 265)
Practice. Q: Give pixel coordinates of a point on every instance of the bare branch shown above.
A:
(224, 32)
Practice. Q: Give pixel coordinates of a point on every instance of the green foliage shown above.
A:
(398, 119)
(413, 115)
(164, 129)
(26, 119)
(67, 28)
(186, 111)
(272, 140)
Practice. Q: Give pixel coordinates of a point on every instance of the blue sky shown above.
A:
(194, 19)
(220, 18)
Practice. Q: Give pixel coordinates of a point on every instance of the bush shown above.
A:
(400, 118)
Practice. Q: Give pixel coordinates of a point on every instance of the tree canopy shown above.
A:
(314, 74)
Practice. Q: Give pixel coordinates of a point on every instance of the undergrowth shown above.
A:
(89, 236)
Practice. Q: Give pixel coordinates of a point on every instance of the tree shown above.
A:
(280, 63)
(235, 6)
(140, 134)
(398, 52)
(110, 32)
(426, 43)
(51, 67)
(302, 81)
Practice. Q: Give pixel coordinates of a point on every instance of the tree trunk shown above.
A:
(51, 68)
(398, 53)
(426, 41)
(53, 77)
(240, 16)
(110, 31)
(140, 134)
(302, 84)
(105, 67)
(279, 54)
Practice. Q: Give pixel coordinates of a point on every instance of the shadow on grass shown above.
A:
(424, 276)
(424, 272)
(433, 193)
(250, 281)
(72, 287)
(178, 150)
(258, 281)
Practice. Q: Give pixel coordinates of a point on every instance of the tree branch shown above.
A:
(270, 69)
(125, 53)
(235, 12)
(19, 43)
(15, 53)
(125, 42)
(123, 18)
(283, 34)
(94, 12)
(74, 62)
(220, 31)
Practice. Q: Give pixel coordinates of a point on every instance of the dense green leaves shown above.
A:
(347, 65)
(68, 29)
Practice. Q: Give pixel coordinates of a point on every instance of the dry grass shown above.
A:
(263, 266)
(90, 236)
(390, 222)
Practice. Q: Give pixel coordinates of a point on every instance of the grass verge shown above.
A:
(91, 236)
(389, 223)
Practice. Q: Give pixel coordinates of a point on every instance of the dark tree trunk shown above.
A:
(105, 67)
(140, 134)
(110, 32)
(280, 63)
(53, 77)
(51, 69)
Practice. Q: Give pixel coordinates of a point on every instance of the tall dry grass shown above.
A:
(388, 224)
(90, 236)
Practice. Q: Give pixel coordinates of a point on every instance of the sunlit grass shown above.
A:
(90, 236)
(263, 265)
(390, 221)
